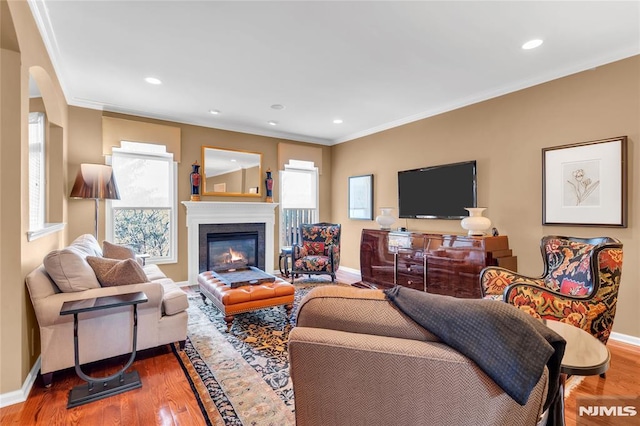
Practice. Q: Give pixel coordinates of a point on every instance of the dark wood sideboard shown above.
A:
(436, 263)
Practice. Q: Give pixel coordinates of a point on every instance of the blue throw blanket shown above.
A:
(510, 346)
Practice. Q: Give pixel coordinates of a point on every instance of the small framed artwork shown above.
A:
(585, 184)
(361, 197)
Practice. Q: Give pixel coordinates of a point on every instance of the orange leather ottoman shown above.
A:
(232, 301)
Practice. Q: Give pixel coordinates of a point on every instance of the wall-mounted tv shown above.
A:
(438, 192)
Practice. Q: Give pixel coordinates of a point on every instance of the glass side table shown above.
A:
(98, 388)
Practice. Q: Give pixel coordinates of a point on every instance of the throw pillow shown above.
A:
(314, 248)
(112, 272)
(116, 251)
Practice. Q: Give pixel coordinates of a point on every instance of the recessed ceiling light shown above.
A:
(214, 112)
(233, 160)
(153, 80)
(337, 121)
(532, 44)
(272, 123)
(277, 106)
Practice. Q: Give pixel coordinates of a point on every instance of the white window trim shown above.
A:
(37, 139)
(309, 170)
(173, 258)
(302, 166)
(42, 228)
(47, 229)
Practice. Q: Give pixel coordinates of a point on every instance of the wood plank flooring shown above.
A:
(166, 397)
(622, 379)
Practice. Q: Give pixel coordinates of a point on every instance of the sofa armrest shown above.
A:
(47, 309)
(349, 378)
(358, 311)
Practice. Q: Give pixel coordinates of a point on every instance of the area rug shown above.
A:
(242, 377)
(572, 383)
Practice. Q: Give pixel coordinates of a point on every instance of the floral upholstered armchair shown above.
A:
(579, 285)
(318, 251)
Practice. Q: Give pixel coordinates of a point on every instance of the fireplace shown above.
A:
(232, 250)
(231, 245)
(235, 216)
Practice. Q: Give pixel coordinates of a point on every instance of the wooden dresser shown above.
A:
(436, 263)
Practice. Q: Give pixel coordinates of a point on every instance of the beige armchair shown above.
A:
(356, 359)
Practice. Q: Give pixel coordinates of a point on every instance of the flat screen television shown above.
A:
(438, 192)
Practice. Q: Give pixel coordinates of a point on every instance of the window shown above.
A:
(40, 135)
(298, 199)
(145, 215)
(37, 171)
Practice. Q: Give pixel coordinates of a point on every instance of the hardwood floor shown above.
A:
(166, 397)
(622, 380)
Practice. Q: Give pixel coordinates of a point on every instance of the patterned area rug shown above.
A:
(242, 377)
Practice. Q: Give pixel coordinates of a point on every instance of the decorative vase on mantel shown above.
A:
(269, 184)
(476, 224)
(385, 219)
(194, 178)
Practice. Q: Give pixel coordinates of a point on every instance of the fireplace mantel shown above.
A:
(212, 212)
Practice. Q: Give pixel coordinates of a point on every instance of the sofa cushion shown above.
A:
(69, 269)
(116, 251)
(112, 272)
(174, 299)
(87, 244)
(154, 273)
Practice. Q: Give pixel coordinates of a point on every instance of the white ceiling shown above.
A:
(373, 64)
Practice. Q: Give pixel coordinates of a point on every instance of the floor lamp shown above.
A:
(95, 181)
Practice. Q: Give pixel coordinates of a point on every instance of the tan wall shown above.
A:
(85, 146)
(506, 135)
(251, 175)
(23, 53)
(239, 181)
(233, 182)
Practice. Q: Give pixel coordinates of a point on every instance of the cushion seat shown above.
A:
(231, 301)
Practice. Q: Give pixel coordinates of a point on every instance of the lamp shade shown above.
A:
(95, 181)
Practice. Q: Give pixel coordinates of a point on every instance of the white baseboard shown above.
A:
(21, 395)
(625, 338)
(350, 270)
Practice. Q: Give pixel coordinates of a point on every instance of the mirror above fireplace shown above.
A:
(229, 172)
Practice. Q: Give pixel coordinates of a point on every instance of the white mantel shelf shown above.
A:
(212, 212)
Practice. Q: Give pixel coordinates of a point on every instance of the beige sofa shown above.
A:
(66, 275)
(355, 359)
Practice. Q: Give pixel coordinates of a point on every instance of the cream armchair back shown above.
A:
(356, 359)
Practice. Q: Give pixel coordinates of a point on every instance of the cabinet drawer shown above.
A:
(410, 268)
(411, 281)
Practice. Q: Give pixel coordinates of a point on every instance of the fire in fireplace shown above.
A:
(230, 250)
